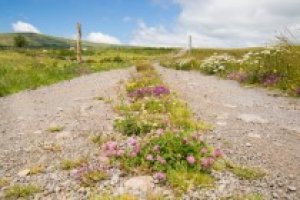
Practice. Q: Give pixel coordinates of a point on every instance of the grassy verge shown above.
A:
(276, 67)
(29, 69)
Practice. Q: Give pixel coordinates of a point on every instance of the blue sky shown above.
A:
(118, 18)
(212, 23)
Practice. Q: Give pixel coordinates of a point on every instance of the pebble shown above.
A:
(292, 188)
(248, 145)
(24, 173)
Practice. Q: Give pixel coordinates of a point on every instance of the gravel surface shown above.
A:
(252, 126)
(26, 142)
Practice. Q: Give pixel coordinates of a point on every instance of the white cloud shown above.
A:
(24, 27)
(223, 23)
(127, 19)
(99, 37)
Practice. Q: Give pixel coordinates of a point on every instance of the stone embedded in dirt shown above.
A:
(222, 123)
(254, 135)
(251, 118)
(292, 188)
(38, 132)
(248, 145)
(230, 106)
(139, 184)
(24, 172)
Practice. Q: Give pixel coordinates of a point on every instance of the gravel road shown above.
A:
(25, 118)
(252, 126)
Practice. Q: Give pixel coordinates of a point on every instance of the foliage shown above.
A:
(55, 129)
(22, 69)
(20, 41)
(18, 191)
(183, 180)
(248, 173)
(89, 175)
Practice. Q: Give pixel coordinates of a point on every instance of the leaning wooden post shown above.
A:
(79, 58)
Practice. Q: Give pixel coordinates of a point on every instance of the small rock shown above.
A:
(38, 132)
(251, 118)
(221, 123)
(139, 183)
(63, 135)
(24, 172)
(254, 135)
(248, 145)
(292, 188)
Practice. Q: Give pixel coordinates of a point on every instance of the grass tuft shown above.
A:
(18, 191)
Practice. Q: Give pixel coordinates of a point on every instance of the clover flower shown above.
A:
(218, 153)
(149, 157)
(207, 163)
(160, 176)
(161, 160)
(191, 159)
(203, 150)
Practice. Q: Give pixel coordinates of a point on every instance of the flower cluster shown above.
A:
(216, 63)
(111, 149)
(157, 91)
(270, 79)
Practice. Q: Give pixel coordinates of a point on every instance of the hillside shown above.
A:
(43, 41)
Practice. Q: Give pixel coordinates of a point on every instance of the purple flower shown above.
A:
(207, 163)
(218, 153)
(120, 153)
(270, 79)
(149, 157)
(132, 141)
(238, 76)
(160, 176)
(191, 159)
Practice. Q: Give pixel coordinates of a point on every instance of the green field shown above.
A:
(30, 68)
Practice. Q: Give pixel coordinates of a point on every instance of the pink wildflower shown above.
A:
(161, 160)
(203, 150)
(207, 163)
(132, 141)
(191, 159)
(120, 153)
(218, 153)
(149, 157)
(159, 131)
(160, 176)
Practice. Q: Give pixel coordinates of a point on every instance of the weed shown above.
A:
(182, 180)
(18, 191)
(248, 172)
(36, 169)
(4, 182)
(55, 129)
(72, 164)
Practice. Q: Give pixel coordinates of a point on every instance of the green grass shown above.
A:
(72, 164)
(55, 129)
(22, 69)
(248, 173)
(18, 191)
(181, 180)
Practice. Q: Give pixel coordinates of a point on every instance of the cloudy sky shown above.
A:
(212, 23)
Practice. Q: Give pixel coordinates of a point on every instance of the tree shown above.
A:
(20, 41)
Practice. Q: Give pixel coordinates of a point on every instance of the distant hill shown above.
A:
(44, 41)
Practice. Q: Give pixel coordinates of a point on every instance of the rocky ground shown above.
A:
(253, 127)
